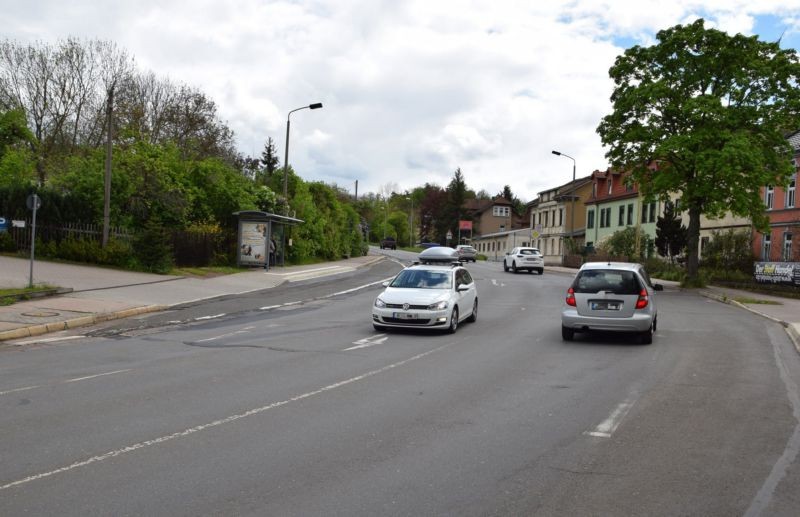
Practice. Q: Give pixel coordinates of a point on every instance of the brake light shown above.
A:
(642, 302)
(571, 297)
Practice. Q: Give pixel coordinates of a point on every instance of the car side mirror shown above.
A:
(658, 287)
(463, 287)
(385, 284)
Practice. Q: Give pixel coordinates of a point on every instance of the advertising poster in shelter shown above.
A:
(253, 245)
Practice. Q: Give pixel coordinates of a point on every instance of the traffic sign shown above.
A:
(33, 202)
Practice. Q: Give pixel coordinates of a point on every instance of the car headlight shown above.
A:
(438, 306)
(380, 303)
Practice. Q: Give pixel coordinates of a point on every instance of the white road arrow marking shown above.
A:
(368, 341)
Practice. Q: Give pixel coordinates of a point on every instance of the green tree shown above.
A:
(623, 244)
(456, 195)
(671, 235)
(703, 114)
(17, 160)
(269, 158)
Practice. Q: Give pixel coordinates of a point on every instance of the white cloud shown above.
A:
(411, 89)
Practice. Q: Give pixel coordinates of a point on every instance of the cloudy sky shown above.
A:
(411, 89)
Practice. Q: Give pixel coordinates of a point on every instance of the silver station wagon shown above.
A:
(611, 296)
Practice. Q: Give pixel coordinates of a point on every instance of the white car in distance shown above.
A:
(524, 259)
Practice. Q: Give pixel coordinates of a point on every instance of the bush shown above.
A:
(730, 250)
(623, 243)
(152, 250)
(7, 244)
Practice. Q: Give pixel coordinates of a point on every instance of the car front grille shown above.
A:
(406, 322)
(400, 306)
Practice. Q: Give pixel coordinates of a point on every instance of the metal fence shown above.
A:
(197, 249)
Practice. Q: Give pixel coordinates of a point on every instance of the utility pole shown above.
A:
(107, 190)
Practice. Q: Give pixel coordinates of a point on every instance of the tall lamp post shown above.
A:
(572, 195)
(314, 106)
(411, 224)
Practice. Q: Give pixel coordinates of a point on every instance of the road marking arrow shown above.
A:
(368, 341)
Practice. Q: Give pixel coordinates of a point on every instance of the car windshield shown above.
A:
(529, 252)
(608, 280)
(421, 279)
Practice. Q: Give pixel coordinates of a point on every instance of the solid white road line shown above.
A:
(19, 389)
(95, 376)
(216, 423)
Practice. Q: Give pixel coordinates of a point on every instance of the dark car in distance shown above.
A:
(389, 243)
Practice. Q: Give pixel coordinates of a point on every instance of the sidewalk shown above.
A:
(101, 294)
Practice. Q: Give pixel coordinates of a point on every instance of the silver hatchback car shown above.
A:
(611, 296)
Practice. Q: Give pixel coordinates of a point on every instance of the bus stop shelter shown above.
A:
(256, 230)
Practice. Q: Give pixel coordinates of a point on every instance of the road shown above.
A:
(287, 402)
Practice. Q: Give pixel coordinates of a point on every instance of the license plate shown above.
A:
(405, 316)
(605, 306)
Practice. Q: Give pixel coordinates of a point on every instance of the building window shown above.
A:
(590, 219)
(765, 248)
(769, 196)
(644, 213)
(546, 219)
(790, 193)
(561, 217)
(630, 214)
(653, 212)
(607, 214)
(621, 215)
(501, 211)
(787, 247)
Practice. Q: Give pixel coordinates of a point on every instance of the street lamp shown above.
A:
(572, 195)
(314, 106)
(411, 224)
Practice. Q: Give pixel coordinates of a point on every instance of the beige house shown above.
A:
(492, 216)
(496, 245)
(558, 214)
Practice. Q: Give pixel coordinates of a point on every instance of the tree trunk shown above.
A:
(693, 234)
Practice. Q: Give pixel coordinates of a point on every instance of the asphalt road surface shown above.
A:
(287, 402)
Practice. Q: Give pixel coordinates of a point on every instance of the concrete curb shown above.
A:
(791, 328)
(83, 321)
(44, 328)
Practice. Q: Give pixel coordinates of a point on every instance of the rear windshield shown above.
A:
(528, 252)
(421, 279)
(608, 280)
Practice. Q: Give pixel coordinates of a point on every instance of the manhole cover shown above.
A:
(40, 314)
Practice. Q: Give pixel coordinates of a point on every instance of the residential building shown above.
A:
(555, 215)
(492, 216)
(496, 245)
(615, 204)
(782, 242)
